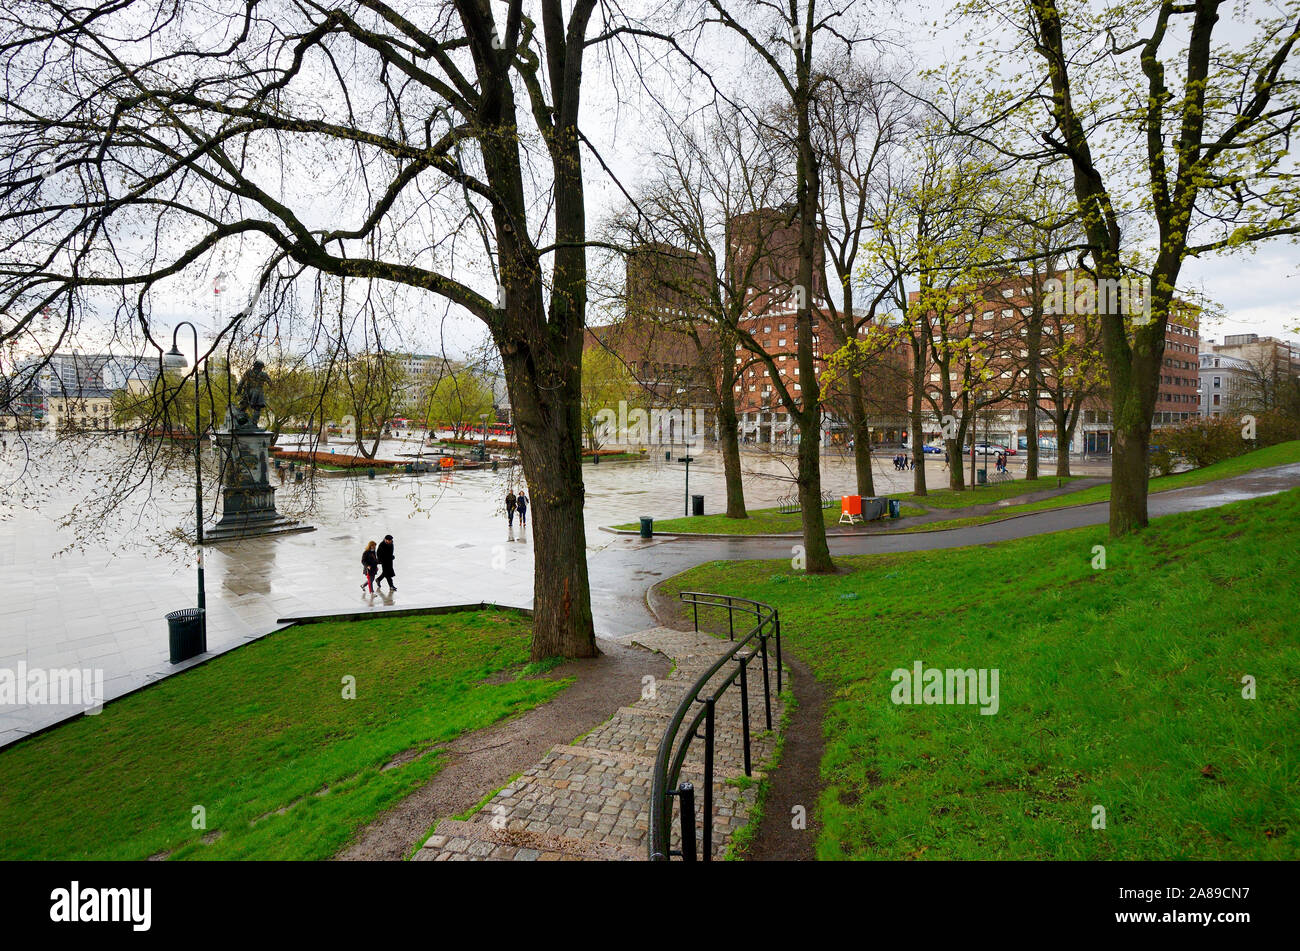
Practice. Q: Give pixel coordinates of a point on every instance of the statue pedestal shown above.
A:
(248, 499)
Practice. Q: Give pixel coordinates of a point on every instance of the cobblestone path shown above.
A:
(590, 800)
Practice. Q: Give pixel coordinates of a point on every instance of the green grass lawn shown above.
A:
(1281, 454)
(1119, 687)
(264, 741)
(983, 494)
(772, 522)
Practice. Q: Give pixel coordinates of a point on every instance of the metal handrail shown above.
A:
(675, 744)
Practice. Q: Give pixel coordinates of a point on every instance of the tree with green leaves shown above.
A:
(1177, 138)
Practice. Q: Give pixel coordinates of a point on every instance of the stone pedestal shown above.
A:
(248, 498)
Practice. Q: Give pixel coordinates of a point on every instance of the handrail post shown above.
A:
(776, 614)
(708, 779)
(767, 684)
(744, 708)
(695, 606)
(731, 624)
(686, 792)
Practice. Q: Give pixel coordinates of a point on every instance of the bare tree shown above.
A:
(860, 123)
(137, 152)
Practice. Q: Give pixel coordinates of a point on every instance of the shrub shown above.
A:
(1200, 442)
(1276, 426)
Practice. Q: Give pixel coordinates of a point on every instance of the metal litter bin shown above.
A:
(185, 631)
(697, 505)
(647, 526)
(982, 476)
(595, 457)
(895, 508)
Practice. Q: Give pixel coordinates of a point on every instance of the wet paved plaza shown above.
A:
(101, 605)
(73, 600)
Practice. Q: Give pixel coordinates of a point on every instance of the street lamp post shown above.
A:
(174, 360)
(687, 460)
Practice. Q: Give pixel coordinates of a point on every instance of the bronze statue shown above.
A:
(251, 398)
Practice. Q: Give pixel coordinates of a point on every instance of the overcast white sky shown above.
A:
(1257, 290)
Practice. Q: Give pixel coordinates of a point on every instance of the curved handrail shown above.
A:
(675, 744)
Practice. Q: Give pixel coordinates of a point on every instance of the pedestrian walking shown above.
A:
(510, 507)
(385, 555)
(369, 563)
(521, 504)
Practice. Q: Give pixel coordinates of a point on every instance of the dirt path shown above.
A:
(796, 781)
(486, 759)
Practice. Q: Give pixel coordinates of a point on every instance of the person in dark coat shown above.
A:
(521, 504)
(369, 562)
(510, 507)
(385, 556)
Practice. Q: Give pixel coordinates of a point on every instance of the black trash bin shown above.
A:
(372, 472)
(595, 457)
(981, 476)
(668, 455)
(697, 505)
(647, 526)
(185, 631)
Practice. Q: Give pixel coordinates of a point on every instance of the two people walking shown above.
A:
(517, 504)
(377, 559)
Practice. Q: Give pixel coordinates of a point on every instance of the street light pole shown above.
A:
(175, 359)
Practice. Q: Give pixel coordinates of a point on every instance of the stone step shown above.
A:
(595, 801)
(634, 734)
(591, 800)
(456, 840)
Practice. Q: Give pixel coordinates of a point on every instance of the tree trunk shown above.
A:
(1064, 437)
(816, 550)
(1031, 425)
(956, 461)
(1128, 487)
(729, 443)
(549, 434)
(861, 436)
(914, 425)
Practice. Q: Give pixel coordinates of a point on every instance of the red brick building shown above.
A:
(992, 332)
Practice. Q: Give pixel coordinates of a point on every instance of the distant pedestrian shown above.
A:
(385, 555)
(510, 507)
(521, 503)
(369, 564)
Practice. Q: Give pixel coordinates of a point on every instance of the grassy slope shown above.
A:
(260, 729)
(1278, 455)
(1119, 687)
(766, 521)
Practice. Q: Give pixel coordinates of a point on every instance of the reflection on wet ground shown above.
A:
(100, 603)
